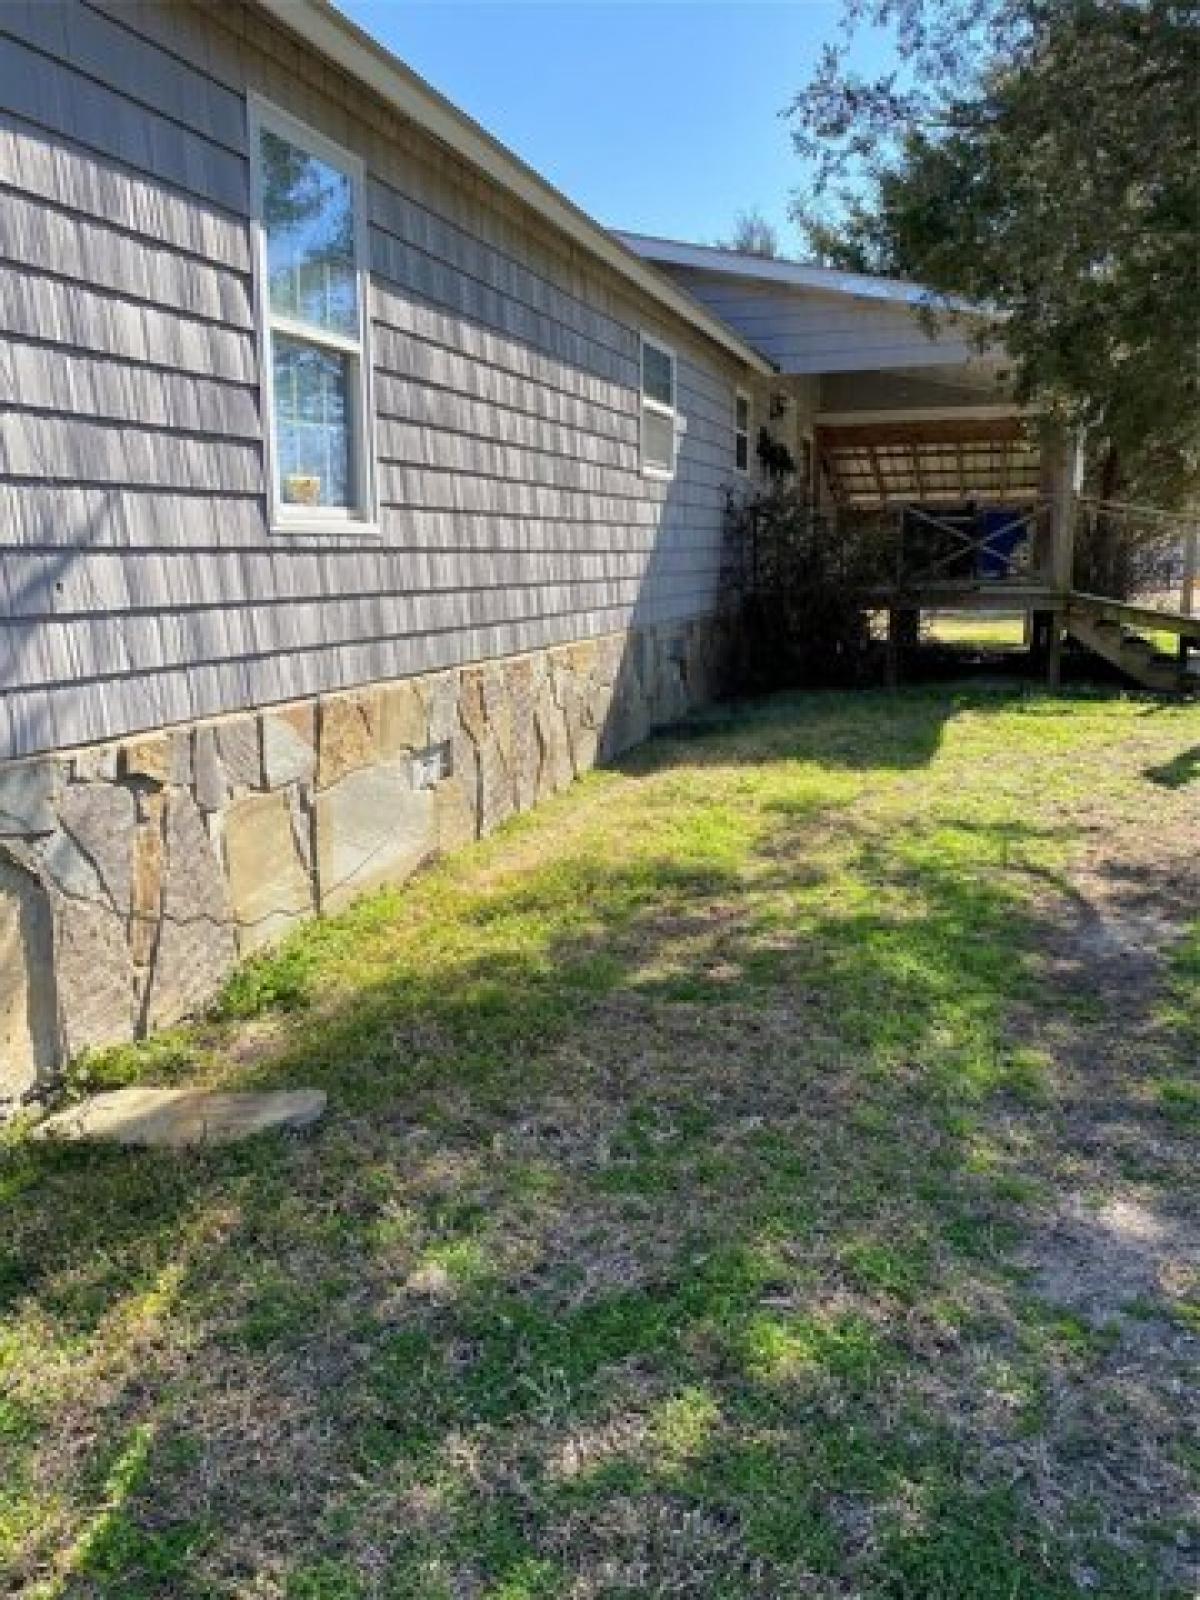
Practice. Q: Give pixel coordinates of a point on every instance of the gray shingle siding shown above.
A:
(141, 584)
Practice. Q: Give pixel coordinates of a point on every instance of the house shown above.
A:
(356, 489)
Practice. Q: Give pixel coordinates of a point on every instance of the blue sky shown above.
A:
(661, 117)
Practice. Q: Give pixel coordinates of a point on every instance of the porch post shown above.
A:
(1054, 653)
(904, 633)
(1187, 595)
(1062, 473)
(1045, 630)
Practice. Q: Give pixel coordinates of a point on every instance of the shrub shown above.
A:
(800, 580)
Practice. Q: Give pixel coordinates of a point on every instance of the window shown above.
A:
(310, 224)
(741, 431)
(658, 410)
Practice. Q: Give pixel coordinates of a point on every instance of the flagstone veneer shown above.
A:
(133, 876)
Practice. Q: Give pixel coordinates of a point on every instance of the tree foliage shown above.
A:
(1041, 157)
(752, 235)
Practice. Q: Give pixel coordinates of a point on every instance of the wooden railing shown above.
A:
(1138, 551)
(982, 545)
(902, 548)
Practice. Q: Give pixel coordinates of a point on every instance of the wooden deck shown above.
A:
(1005, 594)
(967, 594)
(1111, 629)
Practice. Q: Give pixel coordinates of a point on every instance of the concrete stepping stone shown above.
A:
(177, 1117)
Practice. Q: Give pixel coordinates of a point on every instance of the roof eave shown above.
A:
(321, 25)
(799, 275)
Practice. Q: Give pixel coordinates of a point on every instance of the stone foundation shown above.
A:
(134, 875)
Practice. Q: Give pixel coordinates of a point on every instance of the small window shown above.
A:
(309, 211)
(658, 410)
(741, 431)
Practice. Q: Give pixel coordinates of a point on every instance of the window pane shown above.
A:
(308, 214)
(658, 440)
(742, 451)
(743, 413)
(312, 424)
(657, 375)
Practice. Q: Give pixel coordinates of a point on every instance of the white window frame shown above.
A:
(652, 469)
(738, 433)
(284, 517)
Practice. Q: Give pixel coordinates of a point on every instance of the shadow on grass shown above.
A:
(1179, 771)
(669, 1164)
(830, 728)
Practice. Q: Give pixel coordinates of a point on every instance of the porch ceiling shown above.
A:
(943, 461)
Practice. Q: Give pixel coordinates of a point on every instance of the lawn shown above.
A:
(1005, 631)
(769, 1170)
(977, 630)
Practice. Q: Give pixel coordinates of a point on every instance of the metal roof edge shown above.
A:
(794, 274)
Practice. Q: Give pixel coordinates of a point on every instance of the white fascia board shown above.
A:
(321, 25)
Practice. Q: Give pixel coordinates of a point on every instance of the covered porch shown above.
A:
(969, 501)
(973, 507)
(898, 416)
(973, 499)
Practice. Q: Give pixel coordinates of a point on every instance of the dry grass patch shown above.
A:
(767, 1171)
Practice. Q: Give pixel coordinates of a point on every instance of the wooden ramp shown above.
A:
(1116, 631)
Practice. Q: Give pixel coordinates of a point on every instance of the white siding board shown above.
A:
(466, 453)
(183, 31)
(70, 714)
(425, 370)
(405, 225)
(442, 286)
(61, 517)
(150, 642)
(428, 489)
(52, 516)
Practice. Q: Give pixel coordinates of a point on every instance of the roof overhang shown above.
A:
(795, 274)
(322, 26)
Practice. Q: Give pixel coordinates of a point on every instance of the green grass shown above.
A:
(979, 630)
(698, 1210)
